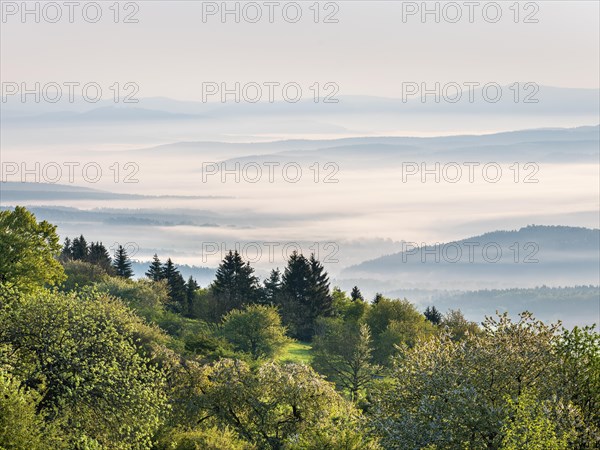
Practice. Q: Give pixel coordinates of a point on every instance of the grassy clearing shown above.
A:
(297, 352)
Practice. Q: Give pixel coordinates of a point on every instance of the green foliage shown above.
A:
(114, 363)
(433, 315)
(529, 426)
(305, 295)
(235, 284)
(356, 294)
(79, 249)
(203, 305)
(277, 407)
(191, 288)
(155, 270)
(80, 274)
(457, 326)
(454, 393)
(342, 352)
(348, 308)
(176, 287)
(271, 290)
(395, 323)
(579, 350)
(29, 250)
(21, 426)
(94, 254)
(122, 263)
(146, 297)
(79, 353)
(255, 330)
(212, 438)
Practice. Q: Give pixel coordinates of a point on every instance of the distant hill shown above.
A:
(14, 192)
(575, 305)
(550, 100)
(552, 255)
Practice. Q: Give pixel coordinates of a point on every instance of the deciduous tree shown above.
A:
(29, 250)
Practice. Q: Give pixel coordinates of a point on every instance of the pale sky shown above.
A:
(170, 52)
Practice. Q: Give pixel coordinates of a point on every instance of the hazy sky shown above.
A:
(171, 51)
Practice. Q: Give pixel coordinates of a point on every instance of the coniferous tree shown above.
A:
(168, 270)
(67, 250)
(433, 315)
(190, 292)
(122, 264)
(155, 271)
(305, 286)
(322, 303)
(235, 284)
(356, 294)
(176, 286)
(272, 288)
(99, 256)
(80, 248)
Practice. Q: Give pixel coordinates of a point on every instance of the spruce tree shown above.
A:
(122, 264)
(79, 248)
(356, 294)
(155, 271)
(235, 284)
(67, 250)
(99, 256)
(190, 292)
(176, 286)
(272, 288)
(322, 302)
(305, 287)
(433, 315)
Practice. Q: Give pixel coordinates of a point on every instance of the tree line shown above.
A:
(92, 359)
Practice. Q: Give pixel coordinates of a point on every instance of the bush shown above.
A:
(20, 425)
(78, 350)
(255, 330)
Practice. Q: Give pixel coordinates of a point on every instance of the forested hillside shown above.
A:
(92, 359)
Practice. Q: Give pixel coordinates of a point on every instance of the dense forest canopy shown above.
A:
(93, 359)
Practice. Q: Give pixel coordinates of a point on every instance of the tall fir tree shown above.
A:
(99, 256)
(155, 271)
(176, 286)
(80, 248)
(433, 315)
(235, 284)
(122, 264)
(322, 302)
(356, 294)
(190, 293)
(272, 288)
(306, 296)
(67, 251)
